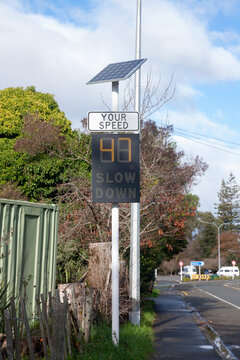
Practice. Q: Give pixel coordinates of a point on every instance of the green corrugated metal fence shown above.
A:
(28, 234)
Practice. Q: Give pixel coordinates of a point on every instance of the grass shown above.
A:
(136, 342)
(154, 293)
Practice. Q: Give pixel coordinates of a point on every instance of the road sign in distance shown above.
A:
(115, 168)
(113, 121)
(233, 262)
(180, 263)
(197, 263)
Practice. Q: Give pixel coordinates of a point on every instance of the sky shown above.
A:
(58, 46)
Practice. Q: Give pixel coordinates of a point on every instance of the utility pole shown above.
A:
(135, 207)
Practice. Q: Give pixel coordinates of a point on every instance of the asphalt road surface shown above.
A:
(217, 303)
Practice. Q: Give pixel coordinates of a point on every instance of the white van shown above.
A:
(229, 271)
(188, 271)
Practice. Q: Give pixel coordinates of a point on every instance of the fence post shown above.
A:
(29, 339)
(68, 325)
(58, 335)
(88, 317)
(9, 337)
(40, 316)
(44, 312)
(16, 333)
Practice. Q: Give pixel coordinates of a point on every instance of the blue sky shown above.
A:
(59, 45)
(62, 10)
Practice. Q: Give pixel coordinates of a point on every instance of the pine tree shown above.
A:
(207, 232)
(228, 208)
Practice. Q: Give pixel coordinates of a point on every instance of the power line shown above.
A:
(203, 143)
(208, 141)
(207, 136)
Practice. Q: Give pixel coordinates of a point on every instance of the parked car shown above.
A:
(228, 271)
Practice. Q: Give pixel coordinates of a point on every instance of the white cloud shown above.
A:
(220, 165)
(225, 37)
(221, 159)
(60, 57)
(201, 123)
(177, 39)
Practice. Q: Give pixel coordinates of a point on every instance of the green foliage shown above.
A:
(207, 233)
(150, 258)
(71, 261)
(38, 178)
(155, 293)
(42, 158)
(136, 342)
(228, 208)
(10, 161)
(37, 144)
(16, 103)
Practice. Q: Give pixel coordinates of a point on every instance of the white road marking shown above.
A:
(207, 347)
(227, 302)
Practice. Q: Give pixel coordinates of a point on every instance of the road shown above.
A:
(217, 303)
(226, 291)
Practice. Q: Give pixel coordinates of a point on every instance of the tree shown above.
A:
(166, 204)
(230, 249)
(45, 159)
(170, 267)
(228, 208)
(206, 233)
(16, 103)
(37, 145)
(166, 182)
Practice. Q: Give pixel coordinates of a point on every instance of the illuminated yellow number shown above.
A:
(124, 153)
(107, 153)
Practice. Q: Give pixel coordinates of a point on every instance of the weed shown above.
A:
(136, 342)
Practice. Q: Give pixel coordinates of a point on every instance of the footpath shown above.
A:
(177, 335)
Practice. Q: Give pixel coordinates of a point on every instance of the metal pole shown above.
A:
(115, 274)
(135, 207)
(138, 55)
(115, 246)
(181, 271)
(219, 249)
(219, 260)
(218, 230)
(115, 91)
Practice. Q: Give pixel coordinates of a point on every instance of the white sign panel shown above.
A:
(113, 121)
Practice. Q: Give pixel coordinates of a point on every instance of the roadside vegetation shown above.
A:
(44, 160)
(202, 233)
(136, 342)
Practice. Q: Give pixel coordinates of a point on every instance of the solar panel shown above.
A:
(117, 71)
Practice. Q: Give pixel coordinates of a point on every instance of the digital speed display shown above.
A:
(115, 168)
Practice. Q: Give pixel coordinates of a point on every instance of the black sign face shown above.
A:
(115, 168)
